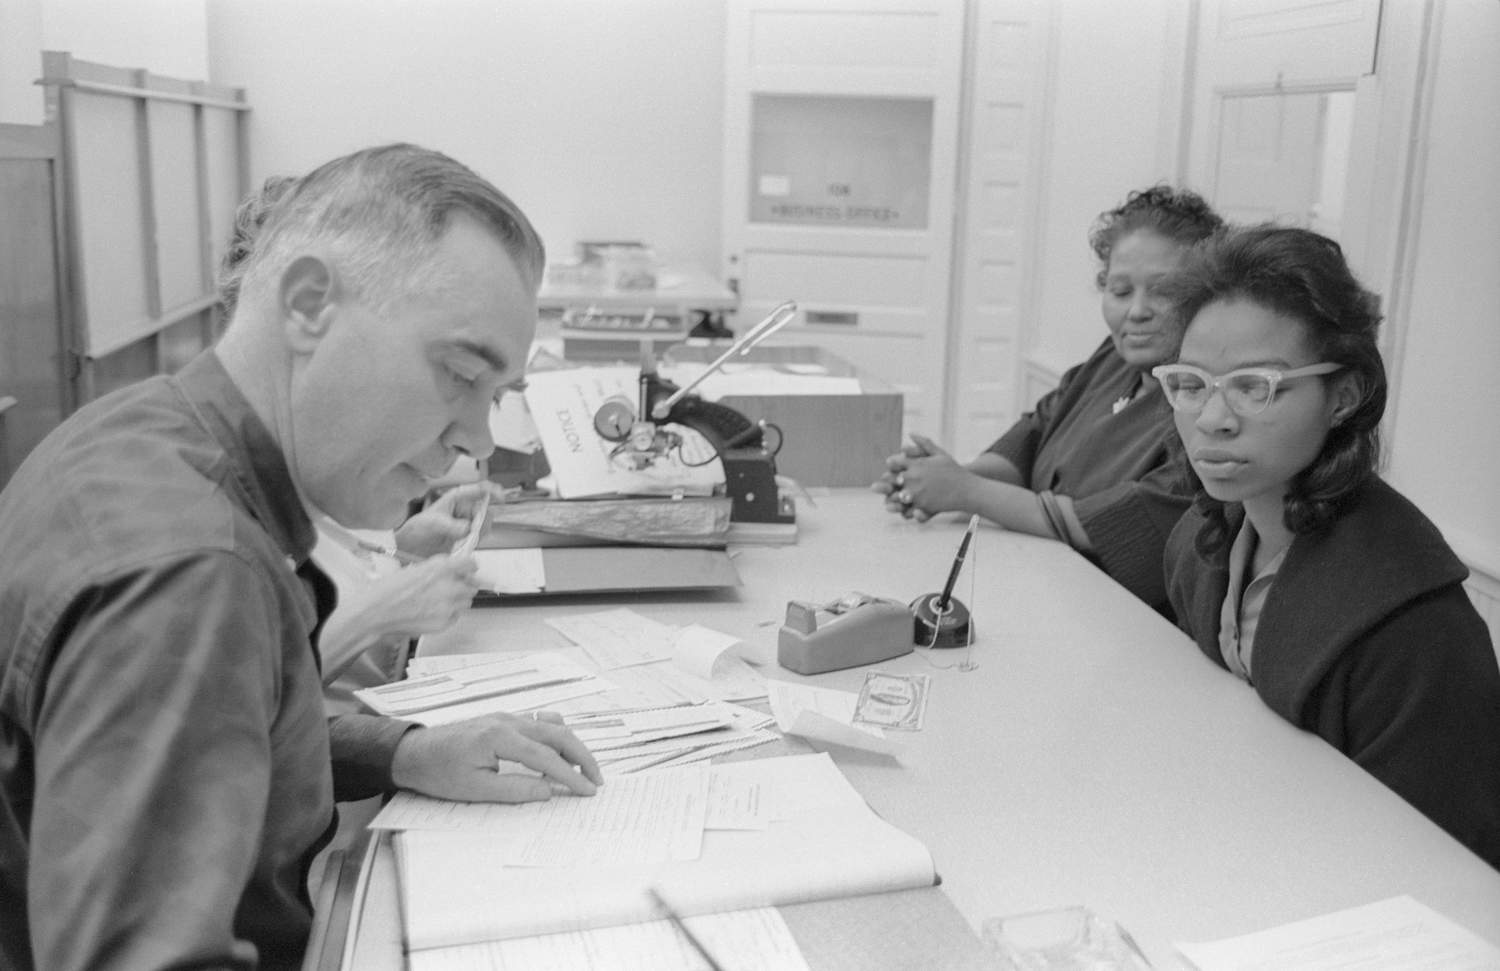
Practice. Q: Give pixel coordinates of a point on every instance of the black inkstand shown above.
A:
(940, 620)
(941, 625)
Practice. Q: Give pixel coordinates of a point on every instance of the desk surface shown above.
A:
(1094, 756)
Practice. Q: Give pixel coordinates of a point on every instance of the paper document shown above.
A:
(610, 731)
(745, 728)
(1398, 934)
(616, 638)
(504, 682)
(652, 817)
(563, 404)
(511, 571)
(705, 660)
(643, 716)
(824, 715)
(745, 940)
(832, 845)
(735, 802)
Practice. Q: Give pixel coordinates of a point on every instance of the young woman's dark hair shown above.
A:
(1300, 275)
(1180, 215)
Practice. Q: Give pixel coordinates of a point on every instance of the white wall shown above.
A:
(601, 118)
(166, 37)
(20, 62)
(163, 36)
(1108, 113)
(1446, 447)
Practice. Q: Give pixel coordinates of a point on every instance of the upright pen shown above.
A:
(958, 563)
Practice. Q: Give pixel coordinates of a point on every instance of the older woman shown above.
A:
(1298, 569)
(1091, 464)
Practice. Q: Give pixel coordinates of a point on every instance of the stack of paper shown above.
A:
(767, 832)
(625, 742)
(639, 693)
(496, 682)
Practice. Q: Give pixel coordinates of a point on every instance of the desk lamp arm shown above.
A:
(773, 322)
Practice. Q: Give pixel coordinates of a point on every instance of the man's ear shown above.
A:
(305, 299)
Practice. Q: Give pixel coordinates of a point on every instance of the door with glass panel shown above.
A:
(839, 154)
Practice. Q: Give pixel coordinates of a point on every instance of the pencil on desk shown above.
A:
(677, 921)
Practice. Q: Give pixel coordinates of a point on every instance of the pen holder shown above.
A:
(948, 626)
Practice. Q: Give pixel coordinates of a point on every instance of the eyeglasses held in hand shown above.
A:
(1248, 391)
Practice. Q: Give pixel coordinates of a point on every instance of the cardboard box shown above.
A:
(831, 440)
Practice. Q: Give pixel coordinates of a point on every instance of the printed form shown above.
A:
(756, 939)
(650, 817)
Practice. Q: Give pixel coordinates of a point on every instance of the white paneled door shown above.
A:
(840, 158)
(1005, 113)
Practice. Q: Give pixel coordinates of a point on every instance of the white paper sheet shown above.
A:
(701, 651)
(832, 846)
(503, 682)
(652, 817)
(824, 715)
(605, 731)
(745, 940)
(703, 663)
(616, 638)
(511, 571)
(563, 404)
(734, 802)
(1398, 934)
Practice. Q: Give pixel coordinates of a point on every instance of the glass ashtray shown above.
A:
(1066, 939)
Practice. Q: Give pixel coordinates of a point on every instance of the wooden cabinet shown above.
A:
(117, 212)
(33, 386)
(153, 169)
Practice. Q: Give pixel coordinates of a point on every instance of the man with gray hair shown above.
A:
(164, 759)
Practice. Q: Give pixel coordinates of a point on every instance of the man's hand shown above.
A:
(461, 761)
(436, 528)
(420, 599)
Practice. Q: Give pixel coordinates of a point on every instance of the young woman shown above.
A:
(1091, 463)
(1297, 568)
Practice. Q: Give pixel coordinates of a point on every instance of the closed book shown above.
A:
(649, 521)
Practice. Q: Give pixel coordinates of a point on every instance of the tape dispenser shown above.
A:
(855, 629)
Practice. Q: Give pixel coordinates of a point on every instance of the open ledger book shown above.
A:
(816, 840)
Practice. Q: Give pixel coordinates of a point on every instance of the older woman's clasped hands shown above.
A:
(922, 480)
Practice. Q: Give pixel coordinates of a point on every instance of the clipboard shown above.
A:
(619, 569)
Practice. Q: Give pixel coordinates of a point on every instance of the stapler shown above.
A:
(852, 630)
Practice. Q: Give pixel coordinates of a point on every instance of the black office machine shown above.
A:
(643, 437)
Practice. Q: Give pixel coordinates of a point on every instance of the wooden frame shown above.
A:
(35, 375)
(152, 170)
